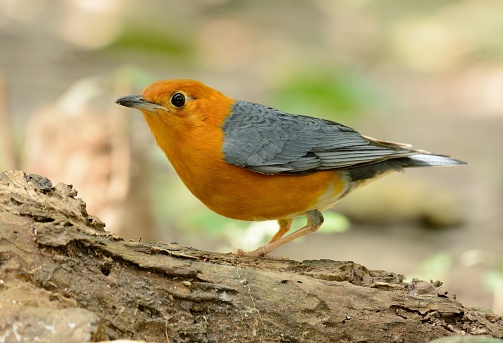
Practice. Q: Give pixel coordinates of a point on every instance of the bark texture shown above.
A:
(63, 278)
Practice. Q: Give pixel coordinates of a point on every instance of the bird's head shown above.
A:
(181, 113)
(172, 101)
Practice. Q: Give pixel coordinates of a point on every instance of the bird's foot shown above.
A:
(259, 253)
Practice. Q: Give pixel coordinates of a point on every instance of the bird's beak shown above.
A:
(137, 101)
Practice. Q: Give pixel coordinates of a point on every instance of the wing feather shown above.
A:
(269, 141)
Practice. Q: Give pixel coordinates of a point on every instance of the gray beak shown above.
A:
(137, 101)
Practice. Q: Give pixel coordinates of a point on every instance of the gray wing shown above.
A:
(269, 141)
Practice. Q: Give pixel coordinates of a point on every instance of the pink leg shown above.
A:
(314, 221)
(284, 227)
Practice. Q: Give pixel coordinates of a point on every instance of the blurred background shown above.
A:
(428, 73)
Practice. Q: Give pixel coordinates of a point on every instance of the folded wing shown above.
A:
(265, 140)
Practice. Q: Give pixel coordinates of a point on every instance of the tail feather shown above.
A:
(431, 160)
(421, 159)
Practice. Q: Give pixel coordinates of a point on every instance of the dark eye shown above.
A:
(178, 99)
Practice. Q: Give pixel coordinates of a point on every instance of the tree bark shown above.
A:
(63, 278)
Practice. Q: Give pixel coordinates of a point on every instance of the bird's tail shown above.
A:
(431, 160)
(418, 159)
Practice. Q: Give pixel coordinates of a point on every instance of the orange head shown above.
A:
(179, 105)
(185, 117)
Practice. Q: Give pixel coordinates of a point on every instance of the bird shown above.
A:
(251, 162)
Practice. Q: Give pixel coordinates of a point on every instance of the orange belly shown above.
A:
(238, 193)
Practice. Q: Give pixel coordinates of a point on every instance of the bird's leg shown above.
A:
(314, 221)
(284, 227)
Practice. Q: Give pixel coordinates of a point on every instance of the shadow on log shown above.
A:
(63, 278)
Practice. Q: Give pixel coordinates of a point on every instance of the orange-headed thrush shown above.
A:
(252, 162)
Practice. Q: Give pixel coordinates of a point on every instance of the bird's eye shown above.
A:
(178, 99)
